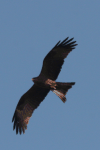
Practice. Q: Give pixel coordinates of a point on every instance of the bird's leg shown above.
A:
(51, 83)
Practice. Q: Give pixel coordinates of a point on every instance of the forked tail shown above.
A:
(61, 89)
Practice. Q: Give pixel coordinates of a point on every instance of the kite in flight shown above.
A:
(45, 82)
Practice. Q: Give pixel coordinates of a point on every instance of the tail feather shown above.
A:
(62, 89)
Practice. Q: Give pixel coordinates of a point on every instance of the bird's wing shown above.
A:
(26, 105)
(54, 60)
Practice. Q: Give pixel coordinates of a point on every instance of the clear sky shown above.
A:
(28, 31)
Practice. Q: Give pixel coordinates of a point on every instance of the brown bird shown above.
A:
(45, 82)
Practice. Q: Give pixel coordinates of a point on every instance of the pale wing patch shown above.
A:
(27, 120)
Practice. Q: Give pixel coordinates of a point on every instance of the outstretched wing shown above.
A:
(54, 60)
(26, 105)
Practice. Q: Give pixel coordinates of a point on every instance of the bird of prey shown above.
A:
(45, 82)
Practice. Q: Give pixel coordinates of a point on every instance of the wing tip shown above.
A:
(18, 125)
(67, 43)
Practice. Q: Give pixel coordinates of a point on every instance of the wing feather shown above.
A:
(54, 60)
(26, 105)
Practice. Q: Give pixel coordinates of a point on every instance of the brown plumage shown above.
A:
(45, 82)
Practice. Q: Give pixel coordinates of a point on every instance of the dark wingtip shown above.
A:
(13, 117)
(64, 41)
(67, 43)
(16, 124)
(57, 44)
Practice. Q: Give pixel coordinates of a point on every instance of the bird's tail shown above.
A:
(61, 89)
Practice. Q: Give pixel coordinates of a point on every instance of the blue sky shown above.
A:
(28, 31)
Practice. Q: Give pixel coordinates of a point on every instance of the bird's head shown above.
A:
(34, 79)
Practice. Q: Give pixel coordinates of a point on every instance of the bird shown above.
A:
(43, 84)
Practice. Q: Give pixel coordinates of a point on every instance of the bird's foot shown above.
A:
(51, 83)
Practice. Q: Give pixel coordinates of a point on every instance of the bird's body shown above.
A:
(43, 84)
